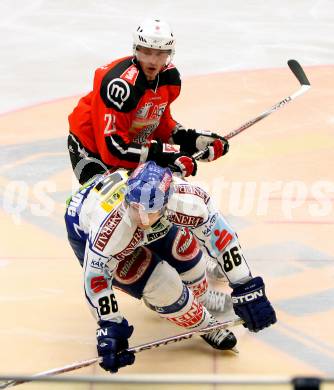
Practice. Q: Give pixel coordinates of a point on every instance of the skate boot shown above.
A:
(222, 339)
(213, 272)
(217, 301)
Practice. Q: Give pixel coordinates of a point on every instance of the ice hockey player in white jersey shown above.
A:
(145, 234)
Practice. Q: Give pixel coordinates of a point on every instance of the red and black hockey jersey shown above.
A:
(125, 111)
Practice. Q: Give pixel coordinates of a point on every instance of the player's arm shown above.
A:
(162, 153)
(113, 331)
(116, 137)
(98, 287)
(221, 243)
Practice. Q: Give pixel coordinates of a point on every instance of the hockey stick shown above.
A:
(305, 85)
(138, 348)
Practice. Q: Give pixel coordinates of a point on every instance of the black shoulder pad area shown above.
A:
(170, 76)
(118, 93)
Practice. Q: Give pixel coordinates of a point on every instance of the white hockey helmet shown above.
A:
(154, 34)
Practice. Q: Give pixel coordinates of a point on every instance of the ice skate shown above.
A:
(214, 273)
(222, 339)
(218, 302)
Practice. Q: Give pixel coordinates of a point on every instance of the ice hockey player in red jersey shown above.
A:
(126, 118)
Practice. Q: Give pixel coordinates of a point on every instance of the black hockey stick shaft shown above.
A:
(305, 85)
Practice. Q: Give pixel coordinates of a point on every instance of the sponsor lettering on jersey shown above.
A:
(189, 189)
(184, 219)
(97, 264)
(156, 235)
(207, 229)
(107, 230)
(130, 74)
(158, 110)
(136, 239)
(75, 202)
(169, 148)
(144, 133)
(157, 230)
(145, 112)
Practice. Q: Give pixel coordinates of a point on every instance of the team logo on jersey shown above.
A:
(118, 91)
(185, 247)
(143, 111)
(224, 238)
(130, 74)
(98, 284)
(134, 266)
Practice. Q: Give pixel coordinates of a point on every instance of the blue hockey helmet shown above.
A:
(150, 186)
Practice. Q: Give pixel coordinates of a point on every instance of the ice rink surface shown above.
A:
(232, 56)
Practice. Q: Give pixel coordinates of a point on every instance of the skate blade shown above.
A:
(235, 350)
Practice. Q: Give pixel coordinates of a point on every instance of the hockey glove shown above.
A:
(167, 155)
(192, 141)
(112, 341)
(216, 149)
(251, 304)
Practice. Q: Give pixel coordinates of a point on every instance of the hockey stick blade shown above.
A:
(136, 349)
(298, 71)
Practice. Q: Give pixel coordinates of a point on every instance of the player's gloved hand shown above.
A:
(251, 304)
(186, 165)
(112, 341)
(216, 149)
(167, 155)
(192, 141)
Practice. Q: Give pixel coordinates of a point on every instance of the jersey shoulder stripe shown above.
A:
(170, 76)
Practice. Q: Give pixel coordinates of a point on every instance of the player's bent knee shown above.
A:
(163, 287)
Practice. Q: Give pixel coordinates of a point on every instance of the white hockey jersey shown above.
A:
(111, 236)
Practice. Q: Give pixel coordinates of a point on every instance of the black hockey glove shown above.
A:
(167, 155)
(112, 341)
(192, 141)
(251, 304)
